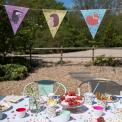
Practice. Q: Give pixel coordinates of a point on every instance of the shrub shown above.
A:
(12, 72)
(2, 72)
(107, 61)
(20, 61)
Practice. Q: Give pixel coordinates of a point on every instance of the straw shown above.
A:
(95, 88)
(56, 89)
(89, 86)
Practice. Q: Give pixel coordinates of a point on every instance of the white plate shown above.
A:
(5, 105)
(12, 98)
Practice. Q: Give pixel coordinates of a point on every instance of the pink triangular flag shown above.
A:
(16, 15)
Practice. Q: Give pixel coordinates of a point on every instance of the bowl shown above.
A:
(73, 106)
(98, 110)
(21, 112)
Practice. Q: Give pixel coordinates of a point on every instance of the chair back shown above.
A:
(45, 87)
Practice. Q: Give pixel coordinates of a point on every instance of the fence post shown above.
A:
(61, 60)
(30, 56)
(93, 55)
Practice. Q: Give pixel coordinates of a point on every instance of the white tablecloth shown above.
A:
(11, 115)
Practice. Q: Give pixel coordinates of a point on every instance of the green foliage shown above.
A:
(2, 72)
(12, 72)
(107, 61)
(73, 32)
(88, 4)
(20, 61)
(5, 32)
(15, 72)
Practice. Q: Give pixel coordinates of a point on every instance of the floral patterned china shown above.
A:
(4, 106)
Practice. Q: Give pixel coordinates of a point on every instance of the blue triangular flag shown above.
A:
(93, 18)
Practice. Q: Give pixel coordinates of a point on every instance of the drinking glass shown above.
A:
(34, 104)
(120, 100)
(120, 93)
(89, 97)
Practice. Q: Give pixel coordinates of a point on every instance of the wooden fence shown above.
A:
(61, 51)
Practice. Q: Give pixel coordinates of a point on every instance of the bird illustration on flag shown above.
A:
(16, 15)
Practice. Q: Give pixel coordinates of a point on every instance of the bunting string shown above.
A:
(34, 9)
(54, 17)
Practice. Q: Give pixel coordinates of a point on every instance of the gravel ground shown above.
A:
(62, 74)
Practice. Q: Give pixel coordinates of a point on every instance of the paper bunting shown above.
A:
(16, 15)
(54, 19)
(93, 18)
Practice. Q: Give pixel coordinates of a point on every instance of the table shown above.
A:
(38, 117)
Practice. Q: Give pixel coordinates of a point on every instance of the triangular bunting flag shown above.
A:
(93, 18)
(54, 19)
(16, 15)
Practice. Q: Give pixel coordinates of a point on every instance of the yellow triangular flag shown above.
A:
(54, 19)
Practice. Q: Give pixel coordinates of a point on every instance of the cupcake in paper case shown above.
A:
(51, 102)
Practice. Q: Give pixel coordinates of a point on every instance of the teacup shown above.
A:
(98, 110)
(51, 111)
(51, 95)
(21, 112)
(65, 115)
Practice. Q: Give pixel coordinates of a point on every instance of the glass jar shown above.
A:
(34, 104)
